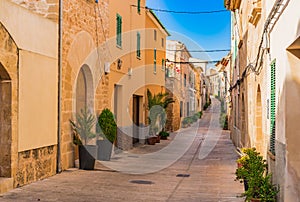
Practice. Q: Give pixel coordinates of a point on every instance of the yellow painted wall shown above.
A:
(156, 77)
(130, 84)
(37, 38)
(38, 101)
(30, 31)
(141, 68)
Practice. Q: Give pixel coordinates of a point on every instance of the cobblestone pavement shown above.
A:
(209, 173)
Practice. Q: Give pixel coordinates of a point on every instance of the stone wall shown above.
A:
(8, 67)
(102, 92)
(35, 164)
(124, 141)
(45, 8)
(5, 127)
(85, 28)
(173, 114)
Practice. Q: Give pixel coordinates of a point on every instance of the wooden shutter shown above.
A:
(138, 51)
(273, 107)
(119, 30)
(139, 6)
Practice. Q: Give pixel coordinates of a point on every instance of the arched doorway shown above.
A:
(259, 141)
(84, 90)
(5, 123)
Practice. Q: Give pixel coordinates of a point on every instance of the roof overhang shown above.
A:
(155, 19)
(232, 4)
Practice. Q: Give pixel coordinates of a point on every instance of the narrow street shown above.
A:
(211, 178)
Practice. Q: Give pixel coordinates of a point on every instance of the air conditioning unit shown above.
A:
(107, 67)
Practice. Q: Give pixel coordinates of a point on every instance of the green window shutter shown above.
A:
(273, 107)
(139, 6)
(138, 50)
(155, 60)
(119, 30)
(163, 64)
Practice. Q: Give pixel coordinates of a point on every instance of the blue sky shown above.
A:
(202, 31)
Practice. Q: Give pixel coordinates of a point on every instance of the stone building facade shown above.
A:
(181, 76)
(265, 87)
(28, 134)
(84, 83)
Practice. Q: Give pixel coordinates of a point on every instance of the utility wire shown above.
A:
(210, 61)
(203, 51)
(182, 12)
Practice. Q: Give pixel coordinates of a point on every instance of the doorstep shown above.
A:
(6, 184)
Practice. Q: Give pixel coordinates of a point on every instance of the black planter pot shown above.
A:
(246, 184)
(86, 157)
(104, 150)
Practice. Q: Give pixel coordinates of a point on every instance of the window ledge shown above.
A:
(255, 15)
(272, 156)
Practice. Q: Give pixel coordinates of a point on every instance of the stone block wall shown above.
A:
(5, 128)
(35, 164)
(124, 141)
(45, 8)
(102, 92)
(85, 22)
(173, 114)
(9, 79)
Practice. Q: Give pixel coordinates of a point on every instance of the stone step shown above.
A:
(6, 184)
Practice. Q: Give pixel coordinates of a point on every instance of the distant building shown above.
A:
(224, 69)
(200, 68)
(185, 83)
(214, 82)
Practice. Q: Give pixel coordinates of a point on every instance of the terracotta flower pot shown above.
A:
(158, 139)
(152, 140)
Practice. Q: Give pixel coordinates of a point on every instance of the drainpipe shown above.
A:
(58, 159)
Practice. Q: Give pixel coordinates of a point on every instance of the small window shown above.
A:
(138, 48)
(187, 109)
(154, 61)
(184, 80)
(181, 108)
(119, 30)
(163, 64)
(139, 6)
(162, 42)
(155, 34)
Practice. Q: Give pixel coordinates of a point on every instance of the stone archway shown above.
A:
(5, 123)
(259, 141)
(84, 95)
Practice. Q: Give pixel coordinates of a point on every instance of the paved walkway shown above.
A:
(202, 152)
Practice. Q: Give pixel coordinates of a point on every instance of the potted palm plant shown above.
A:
(157, 105)
(82, 133)
(107, 128)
